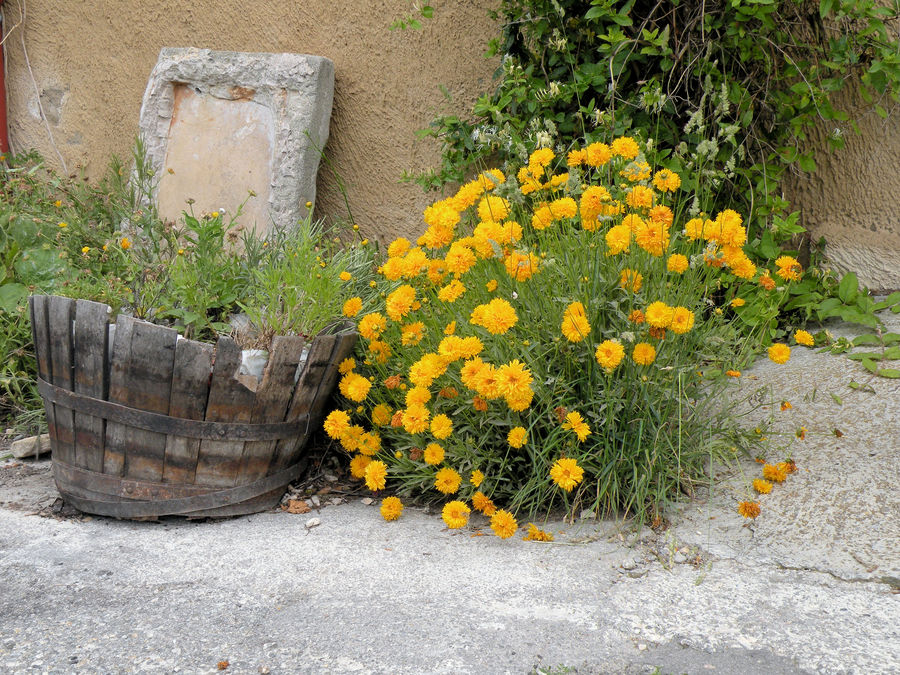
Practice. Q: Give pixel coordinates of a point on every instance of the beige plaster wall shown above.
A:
(91, 61)
(852, 198)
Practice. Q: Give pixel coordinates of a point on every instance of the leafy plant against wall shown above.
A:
(733, 86)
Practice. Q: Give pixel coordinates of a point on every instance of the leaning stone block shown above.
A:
(217, 125)
(32, 446)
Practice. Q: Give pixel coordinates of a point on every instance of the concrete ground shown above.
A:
(811, 586)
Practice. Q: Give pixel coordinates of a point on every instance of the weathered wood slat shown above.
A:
(40, 333)
(114, 448)
(272, 399)
(59, 320)
(91, 378)
(190, 391)
(229, 400)
(149, 387)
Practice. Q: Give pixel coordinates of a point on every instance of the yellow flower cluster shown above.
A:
(772, 473)
(519, 299)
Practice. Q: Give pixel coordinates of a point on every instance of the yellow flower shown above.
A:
(369, 443)
(541, 157)
(517, 437)
(537, 534)
(355, 387)
(391, 508)
(352, 307)
(376, 475)
(625, 146)
(575, 325)
(789, 268)
(418, 396)
(574, 422)
(497, 316)
(677, 263)
(504, 524)
(609, 354)
(482, 503)
(659, 314)
(351, 437)
(521, 266)
(598, 154)
(381, 414)
(398, 247)
(412, 333)
(415, 419)
(512, 379)
(666, 181)
(774, 472)
(749, 509)
(400, 301)
(476, 478)
(358, 466)
(336, 424)
(346, 365)
(576, 157)
(434, 454)
(380, 350)
(682, 320)
(447, 481)
(802, 337)
(779, 353)
(57, 203)
(643, 354)
(566, 473)
(459, 258)
(345, 276)
(441, 426)
(786, 405)
(733, 373)
(763, 487)
(125, 244)
(452, 291)
(640, 197)
(372, 325)
(738, 302)
(455, 514)
(618, 239)
(63, 225)
(85, 249)
(631, 280)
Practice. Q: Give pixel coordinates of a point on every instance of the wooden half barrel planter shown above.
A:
(144, 423)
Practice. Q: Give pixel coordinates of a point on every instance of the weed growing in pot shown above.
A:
(549, 341)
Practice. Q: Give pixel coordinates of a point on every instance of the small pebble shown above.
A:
(313, 522)
(368, 501)
(679, 558)
(628, 564)
(315, 500)
(330, 477)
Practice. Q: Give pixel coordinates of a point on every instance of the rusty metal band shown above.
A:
(164, 424)
(128, 508)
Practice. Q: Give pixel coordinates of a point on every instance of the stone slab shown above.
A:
(33, 446)
(220, 126)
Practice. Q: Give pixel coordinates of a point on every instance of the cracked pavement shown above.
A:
(811, 586)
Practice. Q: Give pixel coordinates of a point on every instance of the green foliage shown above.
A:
(737, 84)
(411, 20)
(106, 242)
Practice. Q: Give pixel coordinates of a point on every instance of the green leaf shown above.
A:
(807, 163)
(867, 339)
(837, 399)
(848, 288)
(11, 295)
(892, 373)
(869, 365)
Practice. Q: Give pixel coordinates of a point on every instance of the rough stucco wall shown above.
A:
(851, 199)
(91, 62)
